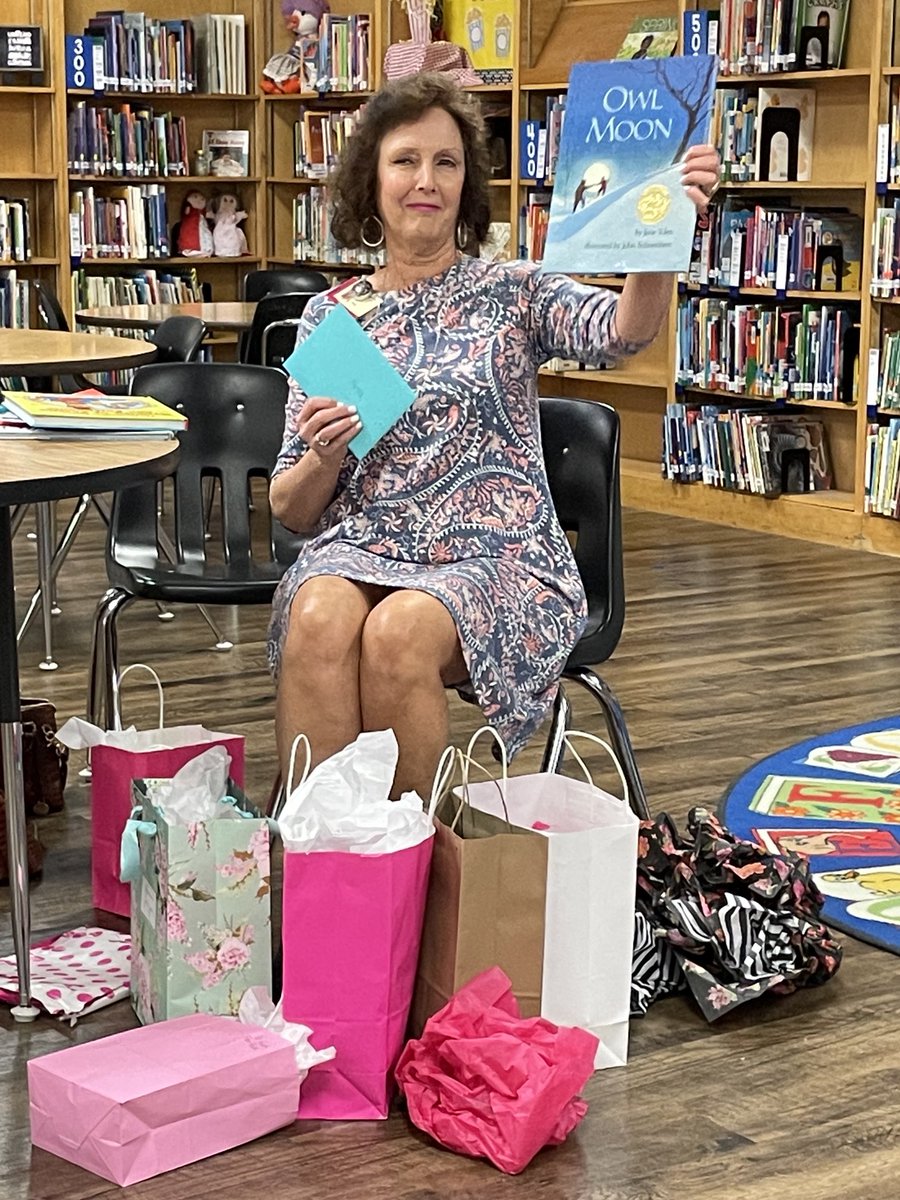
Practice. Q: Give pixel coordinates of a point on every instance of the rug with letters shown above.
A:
(836, 799)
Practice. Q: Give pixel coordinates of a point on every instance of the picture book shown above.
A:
(786, 118)
(618, 203)
(839, 253)
(650, 37)
(340, 360)
(821, 33)
(228, 150)
(91, 410)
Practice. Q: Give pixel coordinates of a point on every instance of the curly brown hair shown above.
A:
(353, 186)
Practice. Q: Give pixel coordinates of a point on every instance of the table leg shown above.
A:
(11, 741)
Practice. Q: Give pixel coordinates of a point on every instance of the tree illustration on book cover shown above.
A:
(618, 203)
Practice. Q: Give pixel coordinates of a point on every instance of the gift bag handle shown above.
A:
(116, 689)
(289, 785)
(129, 850)
(442, 777)
(467, 762)
(592, 737)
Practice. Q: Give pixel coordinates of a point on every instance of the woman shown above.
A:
(437, 559)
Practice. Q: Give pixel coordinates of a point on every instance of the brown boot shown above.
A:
(44, 759)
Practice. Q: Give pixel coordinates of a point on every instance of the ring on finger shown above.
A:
(323, 442)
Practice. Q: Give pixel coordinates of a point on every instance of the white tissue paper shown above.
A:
(256, 1008)
(79, 734)
(196, 792)
(344, 804)
(74, 973)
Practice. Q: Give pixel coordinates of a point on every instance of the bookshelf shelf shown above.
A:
(768, 78)
(23, 264)
(725, 396)
(794, 186)
(19, 90)
(174, 261)
(770, 293)
(208, 181)
(314, 97)
(170, 97)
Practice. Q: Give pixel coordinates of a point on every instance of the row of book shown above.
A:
(137, 53)
(761, 36)
(319, 140)
(147, 286)
(15, 230)
(773, 351)
(15, 301)
(344, 53)
(312, 237)
(888, 371)
(765, 135)
(126, 142)
(130, 221)
(882, 469)
(789, 249)
(764, 452)
(539, 142)
(534, 218)
(885, 282)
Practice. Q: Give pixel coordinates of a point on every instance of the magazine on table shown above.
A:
(619, 204)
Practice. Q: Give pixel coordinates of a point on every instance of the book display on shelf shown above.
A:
(650, 37)
(126, 142)
(618, 203)
(129, 221)
(763, 36)
(228, 151)
(821, 33)
(785, 124)
(147, 286)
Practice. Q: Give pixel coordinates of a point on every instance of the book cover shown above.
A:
(821, 33)
(90, 409)
(228, 150)
(839, 254)
(618, 204)
(650, 37)
(786, 119)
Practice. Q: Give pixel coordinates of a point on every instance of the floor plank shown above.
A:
(736, 644)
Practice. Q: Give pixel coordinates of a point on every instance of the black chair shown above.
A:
(581, 454)
(177, 339)
(236, 418)
(51, 316)
(273, 332)
(279, 280)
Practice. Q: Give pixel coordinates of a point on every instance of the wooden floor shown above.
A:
(735, 645)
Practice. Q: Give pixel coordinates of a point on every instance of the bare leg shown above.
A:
(410, 652)
(318, 684)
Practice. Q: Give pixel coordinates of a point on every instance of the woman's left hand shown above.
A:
(700, 174)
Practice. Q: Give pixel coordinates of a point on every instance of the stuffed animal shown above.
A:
(295, 70)
(227, 238)
(193, 236)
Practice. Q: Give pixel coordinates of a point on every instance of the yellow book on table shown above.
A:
(92, 410)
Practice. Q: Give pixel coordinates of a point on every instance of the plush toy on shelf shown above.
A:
(295, 70)
(420, 53)
(192, 235)
(228, 238)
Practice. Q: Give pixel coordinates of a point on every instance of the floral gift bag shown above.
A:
(198, 860)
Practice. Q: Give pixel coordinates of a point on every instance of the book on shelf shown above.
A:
(15, 300)
(821, 33)
(786, 119)
(91, 409)
(618, 202)
(15, 229)
(220, 53)
(650, 37)
(701, 32)
(228, 150)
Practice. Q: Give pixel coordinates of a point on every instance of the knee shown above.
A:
(396, 642)
(324, 627)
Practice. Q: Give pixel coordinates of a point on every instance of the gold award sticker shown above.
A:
(653, 203)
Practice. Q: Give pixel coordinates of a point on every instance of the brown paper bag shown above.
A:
(485, 908)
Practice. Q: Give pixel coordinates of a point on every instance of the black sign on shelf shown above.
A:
(21, 49)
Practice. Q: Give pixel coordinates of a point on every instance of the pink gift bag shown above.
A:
(351, 931)
(117, 759)
(133, 1105)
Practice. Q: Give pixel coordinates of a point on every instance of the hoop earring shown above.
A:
(374, 243)
(462, 235)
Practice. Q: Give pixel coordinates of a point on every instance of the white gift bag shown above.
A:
(591, 879)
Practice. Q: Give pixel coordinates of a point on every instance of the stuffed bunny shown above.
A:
(227, 238)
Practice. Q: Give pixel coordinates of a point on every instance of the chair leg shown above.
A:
(559, 723)
(618, 734)
(59, 557)
(103, 673)
(45, 581)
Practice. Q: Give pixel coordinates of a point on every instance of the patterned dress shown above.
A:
(454, 500)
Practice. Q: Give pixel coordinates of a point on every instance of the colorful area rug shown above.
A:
(836, 799)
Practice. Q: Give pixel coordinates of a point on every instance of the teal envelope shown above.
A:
(340, 360)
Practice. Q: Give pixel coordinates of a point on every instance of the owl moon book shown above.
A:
(618, 202)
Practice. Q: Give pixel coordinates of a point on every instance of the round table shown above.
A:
(53, 352)
(33, 472)
(226, 314)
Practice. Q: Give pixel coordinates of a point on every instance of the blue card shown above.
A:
(340, 360)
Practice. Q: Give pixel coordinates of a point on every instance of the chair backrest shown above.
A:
(257, 284)
(178, 339)
(581, 453)
(49, 309)
(235, 418)
(271, 309)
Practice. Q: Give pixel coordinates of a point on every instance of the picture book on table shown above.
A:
(618, 203)
(91, 409)
(821, 33)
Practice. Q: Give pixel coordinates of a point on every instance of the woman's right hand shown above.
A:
(327, 426)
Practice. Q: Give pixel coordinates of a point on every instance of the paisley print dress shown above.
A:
(453, 500)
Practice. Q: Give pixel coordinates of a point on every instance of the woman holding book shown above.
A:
(436, 560)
